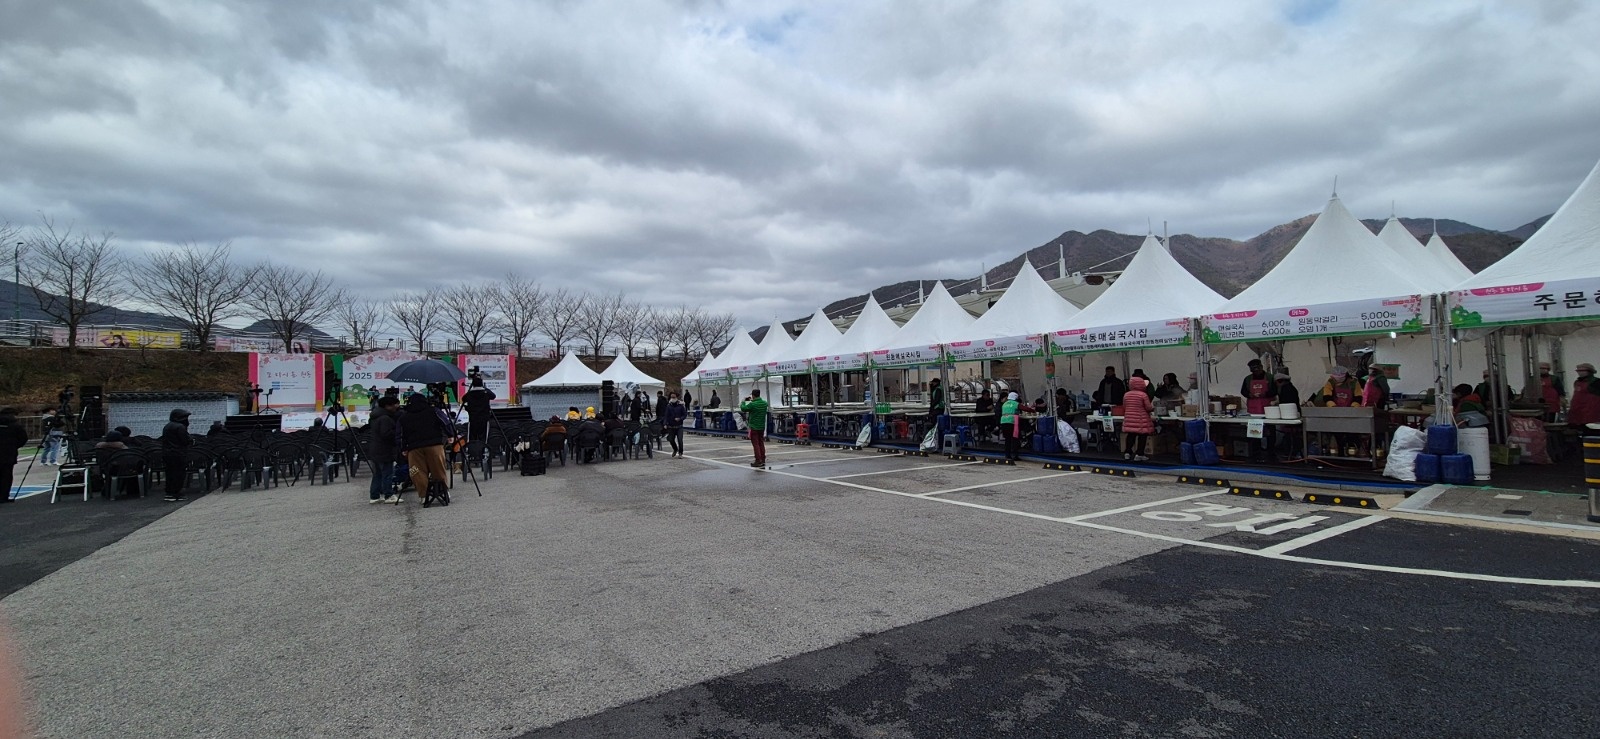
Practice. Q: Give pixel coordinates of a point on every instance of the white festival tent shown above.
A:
(693, 378)
(1017, 324)
(1339, 280)
(1441, 252)
(938, 322)
(815, 339)
(569, 372)
(1150, 310)
(753, 373)
(622, 372)
(871, 330)
(739, 352)
(1428, 268)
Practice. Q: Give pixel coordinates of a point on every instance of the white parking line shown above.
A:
(902, 469)
(999, 482)
(840, 458)
(770, 454)
(1327, 533)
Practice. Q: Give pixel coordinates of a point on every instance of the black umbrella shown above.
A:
(426, 372)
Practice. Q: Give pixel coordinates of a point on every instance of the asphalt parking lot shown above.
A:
(838, 593)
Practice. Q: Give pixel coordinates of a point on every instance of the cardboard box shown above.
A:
(1504, 455)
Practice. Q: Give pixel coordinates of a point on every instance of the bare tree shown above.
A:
(418, 315)
(686, 321)
(73, 276)
(632, 324)
(523, 299)
(597, 323)
(362, 320)
(560, 318)
(661, 328)
(712, 330)
(468, 312)
(292, 300)
(202, 287)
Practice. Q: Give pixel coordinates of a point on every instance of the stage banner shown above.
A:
(499, 375)
(839, 363)
(1142, 335)
(1012, 347)
(1405, 314)
(116, 338)
(910, 356)
(1533, 302)
(258, 344)
(293, 380)
(370, 371)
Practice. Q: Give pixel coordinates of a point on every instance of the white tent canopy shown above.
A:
(872, 329)
(774, 346)
(1339, 280)
(1150, 305)
(1016, 324)
(940, 321)
(739, 352)
(1440, 251)
(569, 372)
(815, 339)
(1428, 269)
(693, 378)
(1553, 276)
(623, 372)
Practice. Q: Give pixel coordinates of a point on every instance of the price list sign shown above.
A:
(1377, 315)
(1012, 347)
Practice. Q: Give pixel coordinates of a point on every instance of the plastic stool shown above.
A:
(951, 444)
(802, 430)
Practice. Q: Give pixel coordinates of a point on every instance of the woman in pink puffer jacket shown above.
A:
(1138, 421)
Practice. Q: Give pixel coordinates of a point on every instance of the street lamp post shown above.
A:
(16, 284)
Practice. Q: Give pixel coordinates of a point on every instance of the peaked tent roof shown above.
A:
(569, 372)
(739, 352)
(940, 320)
(1028, 307)
(1318, 269)
(1562, 249)
(775, 345)
(1429, 269)
(622, 372)
(815, 339)
(693, 378)
(872, 330)
(1440, 251)
(1154, 287)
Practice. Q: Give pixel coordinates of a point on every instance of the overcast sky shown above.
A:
(765, 158)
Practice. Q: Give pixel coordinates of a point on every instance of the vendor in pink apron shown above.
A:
(1258, 389)
(1584, 408)
(1550, 392)
(1341, 391)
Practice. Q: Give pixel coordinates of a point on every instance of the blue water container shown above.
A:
(1456, 469)
(1441, 440)
(964, 435)
(1194, 430)
(1428, 468)
(1186, 452)
(1205, 453)
(813, 420)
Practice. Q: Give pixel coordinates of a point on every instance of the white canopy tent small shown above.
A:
(1016, 325)
(1441, 270)
(871, 330)
(693, 378)
(569, 372)
(718, 378)
(569, 384)
(1151, 309)
(753, 374)
(1441, 252)
(815, 339)
(623, 372)
(1428, 267)
(940, 321)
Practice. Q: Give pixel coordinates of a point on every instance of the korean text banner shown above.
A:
(908, 356)
(295, 380)
(789, 367)
(499, 372)
(839, 362)
(369, 371)
(1534, 302)
(259, 344)
(116, 338)
(1374, 315)
(1003, 348)
(747, 371)
(1143, 335)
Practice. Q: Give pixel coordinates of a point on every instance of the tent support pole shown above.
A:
(1202, 371)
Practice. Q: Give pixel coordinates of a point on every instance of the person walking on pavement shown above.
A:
(1010, 427)
(13, 437)
(175, 444)
(382, 449)
(935, 402)
(672, 423)
(755, 415)
(661, 404)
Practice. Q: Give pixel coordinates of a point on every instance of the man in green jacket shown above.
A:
(755, 415)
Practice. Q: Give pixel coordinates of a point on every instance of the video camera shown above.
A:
(475, 375)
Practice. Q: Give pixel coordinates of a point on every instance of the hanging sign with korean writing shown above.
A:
(839, 362)
(294, 380)
(1143, 335)
(907, 357)
(747, 371)
(1534, 302)
(1405, 314)
(789, 367)
(1003, 348)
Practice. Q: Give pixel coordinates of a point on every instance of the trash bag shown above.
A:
(864, 438)
(930, 441)
(1529, 435)
(1068, 437)
(1403, 450)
